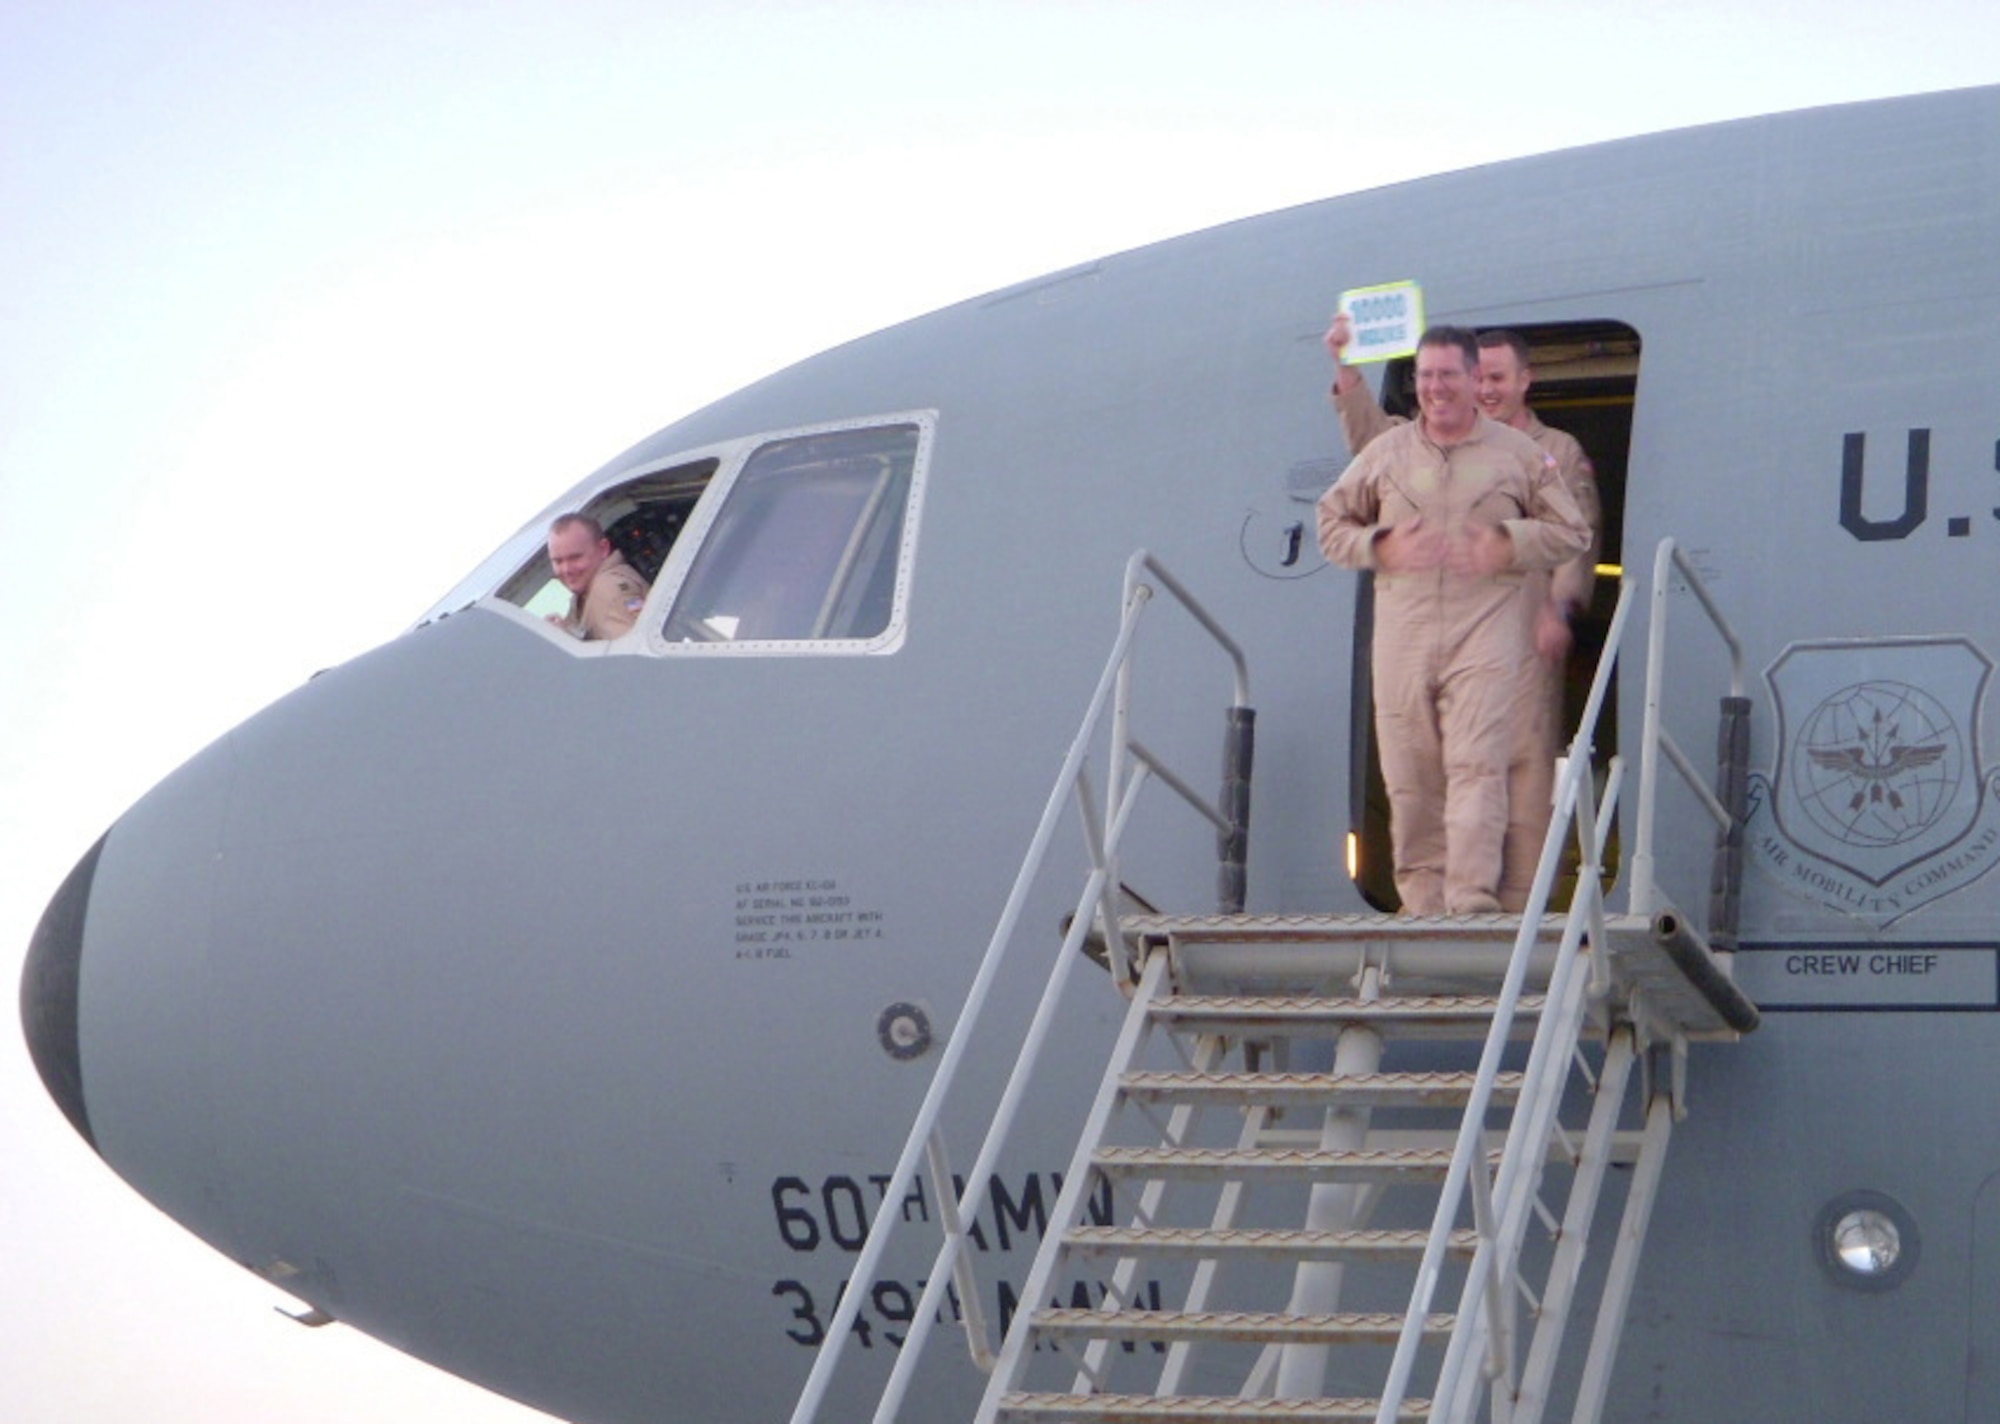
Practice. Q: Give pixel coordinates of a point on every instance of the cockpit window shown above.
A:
(791, 542)
(809, 546)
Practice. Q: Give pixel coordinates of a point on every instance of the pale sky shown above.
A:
(303, 308)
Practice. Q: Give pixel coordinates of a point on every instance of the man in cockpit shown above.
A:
(606, 593)
(1450, 511)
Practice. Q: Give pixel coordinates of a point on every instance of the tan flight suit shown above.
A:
(1531, 777)
(1449, 649)
(1361, 415)
(611, 604)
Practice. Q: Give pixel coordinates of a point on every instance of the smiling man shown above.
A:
(606, 593)
(1452, 511)
(1551, 598)
(1556, 597)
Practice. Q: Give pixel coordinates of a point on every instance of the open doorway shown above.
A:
(1586, 380)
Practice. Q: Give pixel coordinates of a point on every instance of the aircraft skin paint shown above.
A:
(422, 992)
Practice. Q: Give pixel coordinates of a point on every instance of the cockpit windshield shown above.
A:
(799, 542)
(806, 546)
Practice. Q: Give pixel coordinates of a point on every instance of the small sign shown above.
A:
(1387, 321)
(1851, 975)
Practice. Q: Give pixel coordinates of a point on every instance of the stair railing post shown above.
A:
(1640, 1194)
(1331, 1206)
(1655, 741)
(1578, 1217)
(1239, 746)
(976, 1339)
(1733, 791)
(1494, 1324)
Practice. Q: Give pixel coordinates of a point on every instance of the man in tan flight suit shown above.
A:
(1552, 599)
(1451, 511)
(606, 593)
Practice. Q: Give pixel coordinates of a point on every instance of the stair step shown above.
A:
(1197, 1409)
(1420, 1090)
(1211, 1242)
(1428, 1016)
(1255, 1327)
(1209, 1164)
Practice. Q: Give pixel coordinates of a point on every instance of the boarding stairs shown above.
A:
(1290, 1230)
(1355, 1162)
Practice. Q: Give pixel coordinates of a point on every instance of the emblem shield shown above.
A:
(1878, 764)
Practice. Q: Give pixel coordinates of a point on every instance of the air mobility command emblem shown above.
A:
(1876, 802)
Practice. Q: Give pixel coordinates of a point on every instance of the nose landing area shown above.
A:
(49, 979)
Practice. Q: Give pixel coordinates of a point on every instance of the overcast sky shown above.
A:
(304, 307)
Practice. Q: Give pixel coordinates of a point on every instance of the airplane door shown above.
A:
(1586, 378)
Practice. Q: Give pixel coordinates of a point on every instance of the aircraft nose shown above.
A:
(49, 980)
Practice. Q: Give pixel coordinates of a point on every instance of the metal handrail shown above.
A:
(1548, 1063)
(1655, 739)
(1466, 1153)
(1098, 902)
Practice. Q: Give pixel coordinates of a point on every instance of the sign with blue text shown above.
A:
(1387, 321)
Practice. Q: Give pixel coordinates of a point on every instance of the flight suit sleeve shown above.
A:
(1349, 516)
(1554, 531)
(1361, 415)
(1573, 582)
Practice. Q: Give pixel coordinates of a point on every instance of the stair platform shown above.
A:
(1653, 959)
